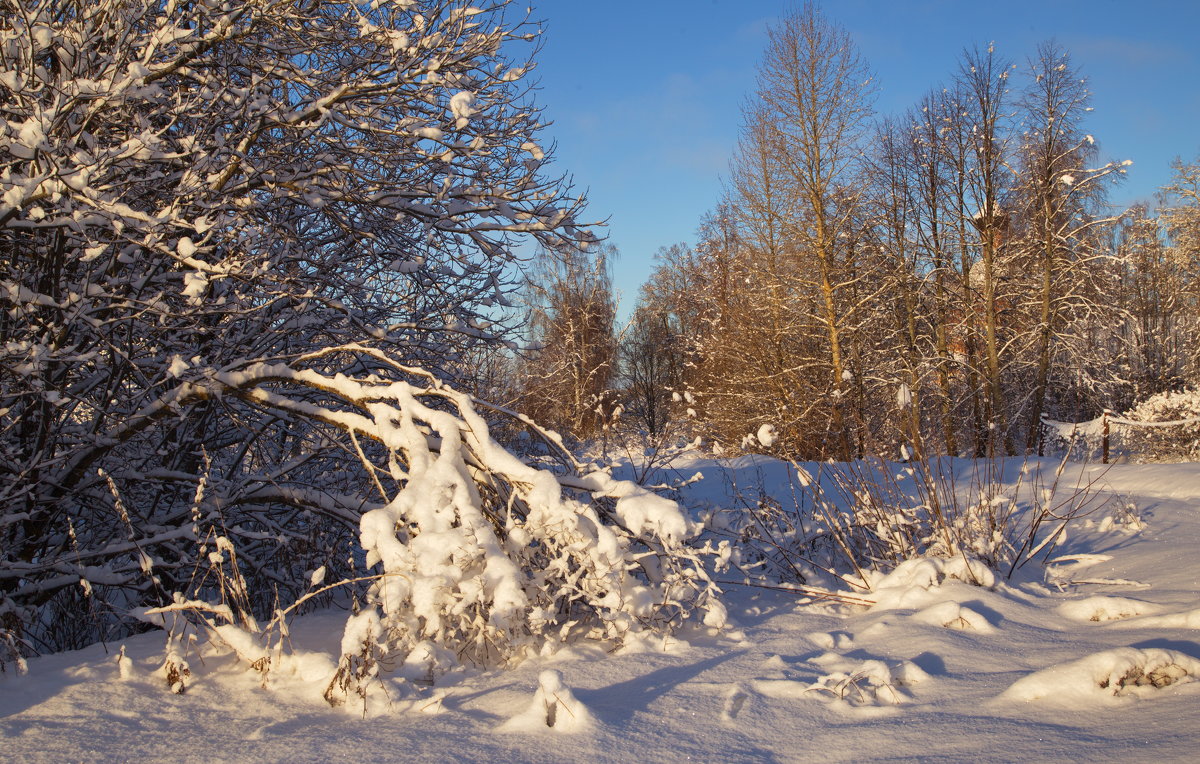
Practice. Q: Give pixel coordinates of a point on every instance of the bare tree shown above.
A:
(1057, 204)
(651, 368)
(983, 90)
(816, 95)
(572, 315)
(933, 232)
(1181, 219)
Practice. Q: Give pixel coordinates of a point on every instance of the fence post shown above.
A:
(1104, 440)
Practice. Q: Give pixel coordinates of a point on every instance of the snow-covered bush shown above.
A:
(474, 555)
(1154, 442)
(485, 558)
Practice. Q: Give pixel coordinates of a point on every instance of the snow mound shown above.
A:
(872, 683)
(952, 615)
(832, 640)
(1105, 609)
(908, 585)
(554, 707)
(1106, 677)
(1186, 620)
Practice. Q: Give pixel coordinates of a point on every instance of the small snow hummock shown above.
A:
(952, 615)
(554, 707)
(1106, 677)
(910, 583)
(1101, 608)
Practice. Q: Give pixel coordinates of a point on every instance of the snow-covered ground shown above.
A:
(1093, 659)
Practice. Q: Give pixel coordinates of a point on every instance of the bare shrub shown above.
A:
(849, 521)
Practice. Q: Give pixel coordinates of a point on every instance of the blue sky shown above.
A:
(645, 96)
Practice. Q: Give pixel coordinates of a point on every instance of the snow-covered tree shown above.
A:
(1182, 212)
(817, 94)
(1059, 195)
(187, 188)
(1181, 220)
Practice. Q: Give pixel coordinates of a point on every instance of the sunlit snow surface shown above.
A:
(1046, 668)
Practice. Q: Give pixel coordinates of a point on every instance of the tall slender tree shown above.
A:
(816, 94)
(983, 88)
(572, 315)
(1057, 203)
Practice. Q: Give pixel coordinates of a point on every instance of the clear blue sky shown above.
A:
(645, 96)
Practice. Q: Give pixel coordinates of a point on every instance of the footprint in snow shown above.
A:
(833, 640)
(734, 702)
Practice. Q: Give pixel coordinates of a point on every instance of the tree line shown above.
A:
(938, 281)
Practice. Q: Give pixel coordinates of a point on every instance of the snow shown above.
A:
(1046, 666)
(767, 435)
(194, 286)
(1105, 608)
(186, 247)
(460, 107)
(554, 708)
(1107, 678)
(534, 150)
(178, 366)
